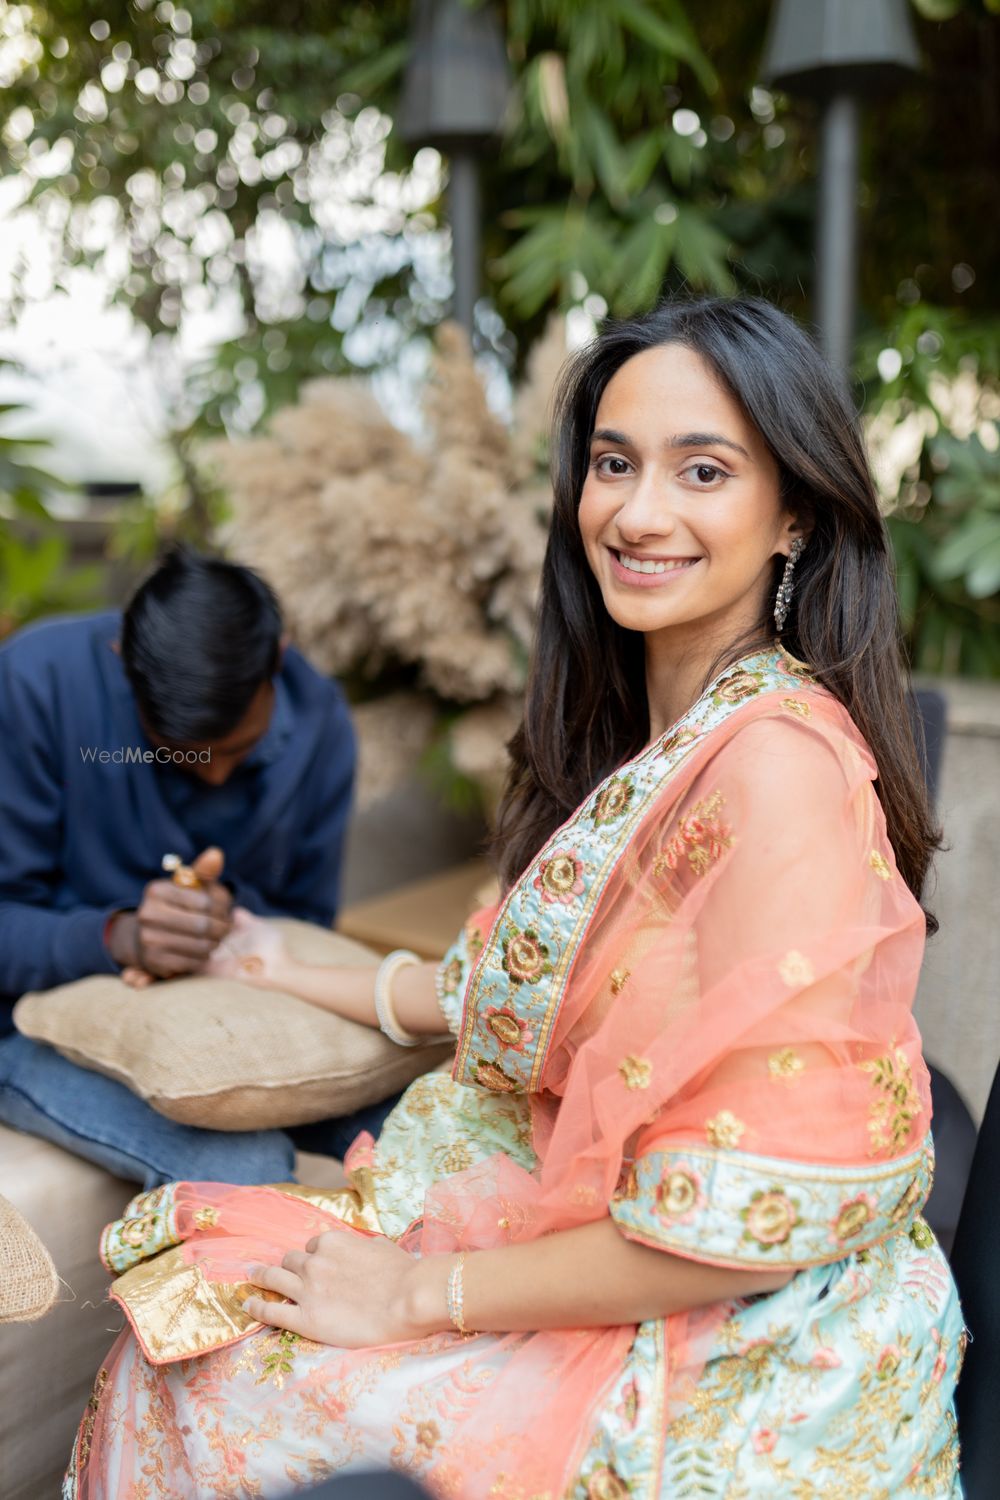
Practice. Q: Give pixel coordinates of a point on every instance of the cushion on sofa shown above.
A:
(28, 1281)
(225, 1055)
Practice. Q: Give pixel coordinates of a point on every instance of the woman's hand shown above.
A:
(352, 1290)
(252, 951)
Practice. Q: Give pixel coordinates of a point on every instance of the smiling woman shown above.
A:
(661, 1225)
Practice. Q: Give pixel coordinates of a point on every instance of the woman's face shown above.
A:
(680, 514)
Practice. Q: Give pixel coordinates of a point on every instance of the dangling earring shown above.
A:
(783, 598)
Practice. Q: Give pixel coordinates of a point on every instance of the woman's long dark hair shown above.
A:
(586, 709)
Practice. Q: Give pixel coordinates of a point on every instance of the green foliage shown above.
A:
(945, 527)
(35, 576)
(195, 129)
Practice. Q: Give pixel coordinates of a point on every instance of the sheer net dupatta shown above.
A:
(741, 1005)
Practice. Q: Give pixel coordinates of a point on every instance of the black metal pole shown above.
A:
(837, 227)
(463, 210)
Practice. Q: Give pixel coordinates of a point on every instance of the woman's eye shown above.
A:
(706, 474)
(612, 463)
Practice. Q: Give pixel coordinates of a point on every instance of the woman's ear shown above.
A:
(796, 529)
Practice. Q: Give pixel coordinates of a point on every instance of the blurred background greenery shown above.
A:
(237, 160)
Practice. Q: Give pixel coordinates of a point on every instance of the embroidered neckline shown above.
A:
(538, 929)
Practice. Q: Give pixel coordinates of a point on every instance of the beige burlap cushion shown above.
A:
(28, 1281)
(224, 1055)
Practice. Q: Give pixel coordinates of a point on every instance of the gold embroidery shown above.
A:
(724, 1130)
(206, 1218)
(619, 979)
(584, 1195)
(892, 1115)
(701, 838)
(785, 1064)
(605, 1484)
(880, 865)
(276, 1363)
(796, 970)
(636, 1072)
(770, 1217)
(678, 1194)
(428, 1435)
(796, 706)
(135, 1232)
(613, 800)
(90, 1415)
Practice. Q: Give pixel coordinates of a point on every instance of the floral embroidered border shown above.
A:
(528, 956)
(735, 1208)
(148, 1225)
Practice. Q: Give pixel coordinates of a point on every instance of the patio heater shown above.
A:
(840, 53)
(454, 96)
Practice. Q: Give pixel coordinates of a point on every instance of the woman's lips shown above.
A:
(650, 580)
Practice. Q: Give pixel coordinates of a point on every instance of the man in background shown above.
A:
(185, 726)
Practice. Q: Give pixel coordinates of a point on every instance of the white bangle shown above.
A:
(385, 1015)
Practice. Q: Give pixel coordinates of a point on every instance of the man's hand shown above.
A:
(176, 927)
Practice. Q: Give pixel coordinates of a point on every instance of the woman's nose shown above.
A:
(646, 510)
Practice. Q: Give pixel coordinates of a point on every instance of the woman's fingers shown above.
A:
(276, 1314)
(296, 1261)
(276, 1279)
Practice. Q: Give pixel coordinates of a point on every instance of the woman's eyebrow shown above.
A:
(679, 440)
(704, 440)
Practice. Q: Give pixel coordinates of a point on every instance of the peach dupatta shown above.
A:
(709, 968)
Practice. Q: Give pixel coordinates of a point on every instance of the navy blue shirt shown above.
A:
(81, 835)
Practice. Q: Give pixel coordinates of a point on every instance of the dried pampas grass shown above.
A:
(396, 558)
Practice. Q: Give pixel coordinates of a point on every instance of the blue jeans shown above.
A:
(94, 1117)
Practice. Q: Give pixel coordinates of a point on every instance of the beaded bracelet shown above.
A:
(384, 1012)
(456, 1297)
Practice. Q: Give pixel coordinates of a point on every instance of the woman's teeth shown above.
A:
(647, 565)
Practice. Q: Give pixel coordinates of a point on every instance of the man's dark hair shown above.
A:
(199, 637)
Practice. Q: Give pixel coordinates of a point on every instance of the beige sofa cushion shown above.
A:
(27, 1276)
(224, 1055)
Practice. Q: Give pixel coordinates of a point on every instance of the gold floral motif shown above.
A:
(508, 1027)
(493, 1077)
(473, 940)
(451, 976)
(619, 979)
(678, 1194)
(739, 686)
(457, 1158)
(613, 801)
(135, 1232)
(525, 956)
(796, 970)
(677, 740)
(724, 1130)
(605, 1484)
(892, 1114)
(770, 1217)
(797, 706)
(428, 1435)
(853, 1216)
(785, 1064)
(584, 1195)
(560, 877)
(701, 838)
(880, 865)
(636, 1072)
(206, 1218)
